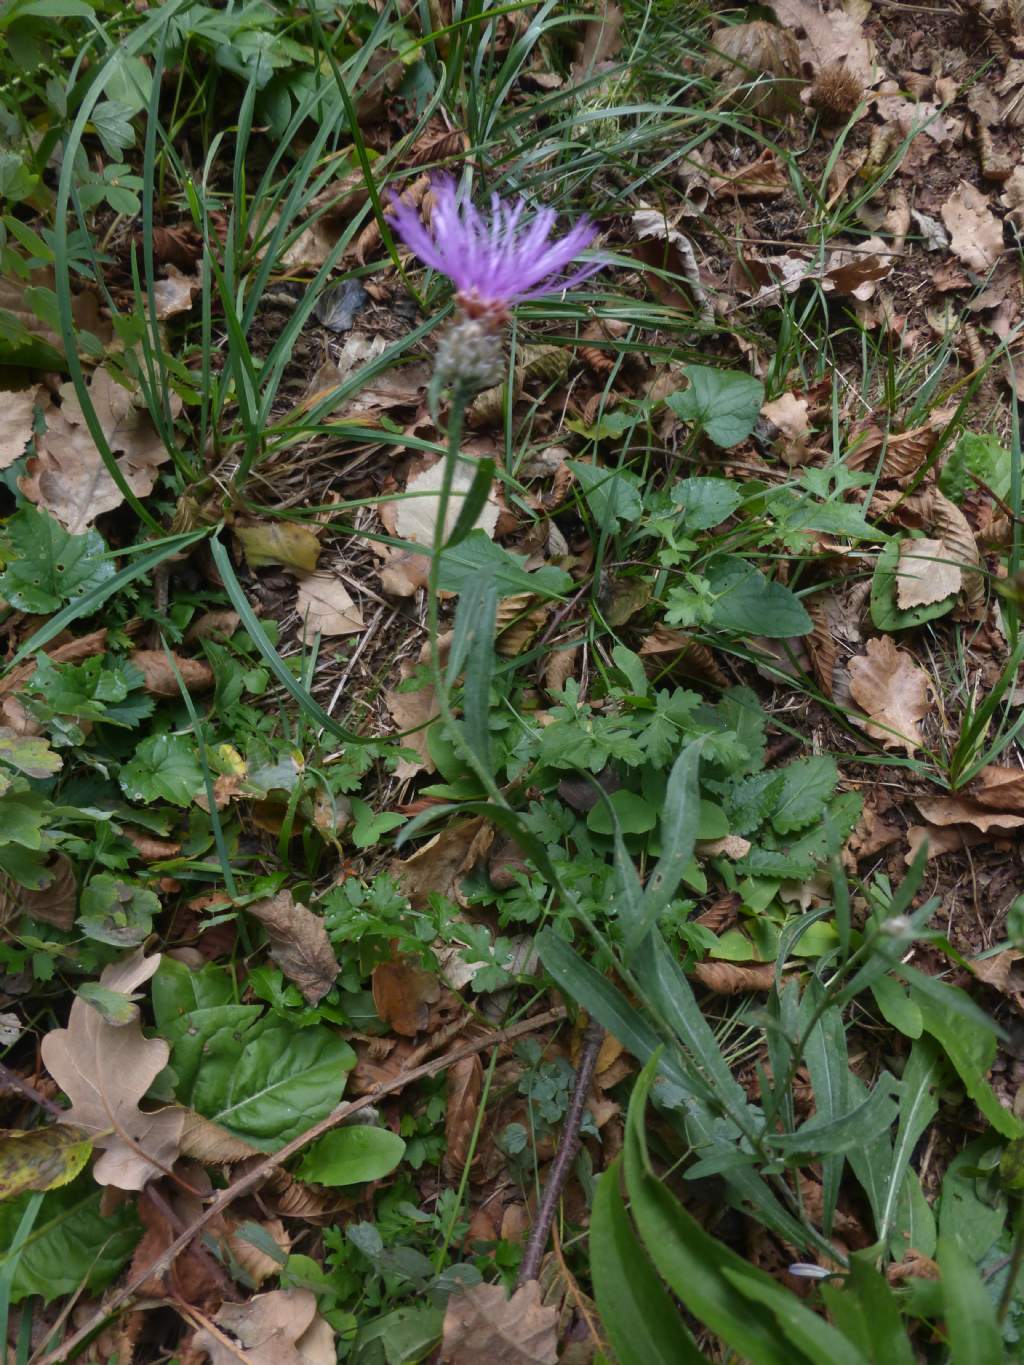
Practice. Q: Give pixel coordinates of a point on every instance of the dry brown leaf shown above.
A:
(403, 573)
(211, 1144)
(68, 652)
(175, 293)
(148, 847)
(960, 547)
(483, 1327)
(832, 39)
(465, 1081)
(67, 476)
(788, 414)
(976, 234)
(298, 944)
(905, 451)
(326, 607)
(415, 711)
(258, 1264)
(17, 416)
(1002, 971)
(156, 668)
(105, 1071)
(440, 865)
(662, 246)
(286, 543)
(999, 788)
(939, 841)
(279, 1328)
(212, 625)
(756, 67)
(924, 574)
(402, 995)
(601, 41)
(893, 691)
(84, 309)
(964, 810)
(765, 178)
(191, 1278)
(732, 978)
(694, 659)
(729, 846)
(55, 903)
(416, 515)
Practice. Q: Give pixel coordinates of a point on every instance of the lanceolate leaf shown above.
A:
(974, 1335)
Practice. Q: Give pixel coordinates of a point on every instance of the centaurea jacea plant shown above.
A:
(495, 261)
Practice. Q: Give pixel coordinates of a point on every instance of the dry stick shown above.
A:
(11, 1080)
(253, 1177)
(567, 1148)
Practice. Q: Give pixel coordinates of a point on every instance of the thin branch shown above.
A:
(568, 1146)
(253, 1177)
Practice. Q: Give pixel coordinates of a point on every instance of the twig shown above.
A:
(253, 1177)
(568, 1146)
(11, 1080)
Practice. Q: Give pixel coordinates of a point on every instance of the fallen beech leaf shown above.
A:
(403, 994)
(17, 415)
(404, 573)
(601, 41)
(964, 810)
(828, 39)
(893, 691)
(999, 788)
(960, 547)
(211, 1144)
(976, 234)
(175, 293)
(756, 67)
(279, 1328)
(416, 516)
(326, 607)
(67, 475)
(663, 247)
(159, 676)
(465, 1081)
(905, 451)
(483, 1327)
(732, 978)
(278, 542)
(441, 864)
(924, 574)
(258, 1264)
(105, 1071)
(148, 847)
(298, 944)
(192, 1277)
(788, 414)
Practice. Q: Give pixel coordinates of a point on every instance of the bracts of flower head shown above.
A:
(495, 261)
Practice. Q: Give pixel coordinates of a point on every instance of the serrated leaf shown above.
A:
(724, 403)
(29, 754)
(351, 1155)
(807, 785)
(116, 911)
(112, 123)
(164, 766)
(71, 1244)
(49, 567)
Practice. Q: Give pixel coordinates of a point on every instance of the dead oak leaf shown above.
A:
(924, 574)
(483, 1327)
(298, 944)
(440, 865)
(976, 234)
(835, 38)
(999, 788)
(326, 607)
(279, 1328)
(105, 1071)
(964, 810)
(17, 418)
(893, 691)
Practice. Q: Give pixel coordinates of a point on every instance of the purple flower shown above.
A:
(494, 260)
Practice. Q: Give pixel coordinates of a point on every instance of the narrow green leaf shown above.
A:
(643, 1323)
(974, 1335)
(825, 1056)
(680, 820)
(820, 1342)
(887, 1332)
(473, 503)
(850, 1130)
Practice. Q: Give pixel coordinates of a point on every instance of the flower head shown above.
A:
(497, 259)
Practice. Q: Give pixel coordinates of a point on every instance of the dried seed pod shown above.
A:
(757, 67)
(835, 93)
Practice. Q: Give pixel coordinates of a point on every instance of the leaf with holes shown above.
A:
(48, 567)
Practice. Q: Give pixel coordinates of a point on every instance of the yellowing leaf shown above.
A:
(41, 1159)
(279, 542)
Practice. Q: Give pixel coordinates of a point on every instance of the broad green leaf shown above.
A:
(178, 990)
(706, 502)
(613, 495)
(632, 813)
(48, 567)
(24, 815)
(807, 786)
(116, 911)
(971, 1325)
(274, 1083)
(111, 121)
(213, 1030)
(351, 1155)
(369, 825)
(806, 1330)
(968, 1208)
(643, 1323)
(41, 1158)
(724, 403)
(115, 1007)
(869, 1303)
(749, 603)
(130, 84)
(71, 1245)
(478, 554)
(164, 766)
